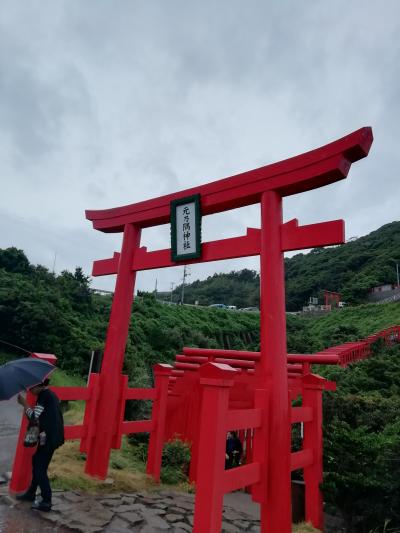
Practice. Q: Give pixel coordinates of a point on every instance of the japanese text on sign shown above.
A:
(186, 229)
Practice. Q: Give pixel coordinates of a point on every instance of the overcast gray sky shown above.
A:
(106, 103)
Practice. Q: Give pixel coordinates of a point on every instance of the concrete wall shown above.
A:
(379, 296)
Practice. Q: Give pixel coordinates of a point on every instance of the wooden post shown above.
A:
(260, 452)
(249, 451)
(162, 373)
(22, 467)
(216, 380)
(313, 474)
(90, 412)
(120, 414)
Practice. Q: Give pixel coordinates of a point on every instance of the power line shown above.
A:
(15, 346)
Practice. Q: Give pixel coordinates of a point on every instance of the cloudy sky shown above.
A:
(106, 103)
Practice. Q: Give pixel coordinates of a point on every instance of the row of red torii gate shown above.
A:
(210, 392)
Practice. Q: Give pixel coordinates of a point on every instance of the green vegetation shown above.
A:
(175, 462)
(59, 314)
(362, 442)
(304, 528)
(46, 313)
(353, 323)
(351, 269)
(361, 419)
(236, 288)
(126, 471)
(59, 378)
(158, 332)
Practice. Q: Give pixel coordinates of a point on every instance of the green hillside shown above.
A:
(351, 269)
(348, 324)
(362, 443)
(59, 314)
(240, 288)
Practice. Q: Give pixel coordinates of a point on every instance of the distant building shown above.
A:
(384, 288)
(384, 292)
(311, 308)
(101, 291)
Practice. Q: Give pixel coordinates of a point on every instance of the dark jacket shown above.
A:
(234, 451)
(51, 420)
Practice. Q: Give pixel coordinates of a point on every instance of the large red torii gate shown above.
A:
(266, 185)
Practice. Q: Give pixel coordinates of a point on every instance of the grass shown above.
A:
(126, 470)
(67, 472)
(59, 378)
(304, 528)
(67, 467)
(365, 319)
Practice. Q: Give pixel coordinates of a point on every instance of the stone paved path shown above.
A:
(20, 519)
(141, 512)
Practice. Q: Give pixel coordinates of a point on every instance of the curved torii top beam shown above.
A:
(304, 172)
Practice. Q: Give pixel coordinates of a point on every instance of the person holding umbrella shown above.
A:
(48, 414)
(31, 374)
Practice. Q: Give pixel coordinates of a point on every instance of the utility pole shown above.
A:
(397, 271)
(155, 290)
(172, 289)
(186, 273)
(54, 262)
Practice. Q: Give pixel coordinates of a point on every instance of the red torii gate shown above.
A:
(266, 185)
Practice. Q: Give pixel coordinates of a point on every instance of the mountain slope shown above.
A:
(351, 269)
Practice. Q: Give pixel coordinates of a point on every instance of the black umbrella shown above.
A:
(22, 374)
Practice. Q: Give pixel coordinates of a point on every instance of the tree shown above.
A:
(14, 260)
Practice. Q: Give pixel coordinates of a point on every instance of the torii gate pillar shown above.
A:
(110, 377)
(276, 508)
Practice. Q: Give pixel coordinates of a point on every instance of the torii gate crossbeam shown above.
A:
(304, 172)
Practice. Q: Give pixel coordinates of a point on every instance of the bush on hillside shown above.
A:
(175, 461)
(362, 442)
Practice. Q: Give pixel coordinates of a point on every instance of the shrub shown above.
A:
(176, 454)
(140, 445)
(175, 461)
(172, 476)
